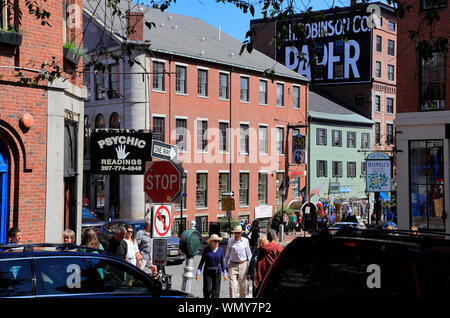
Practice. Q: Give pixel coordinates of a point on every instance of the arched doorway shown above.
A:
(3, 193)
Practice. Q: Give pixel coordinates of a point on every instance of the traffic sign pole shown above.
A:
(189, 269)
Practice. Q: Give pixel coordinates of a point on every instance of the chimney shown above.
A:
(135, 26)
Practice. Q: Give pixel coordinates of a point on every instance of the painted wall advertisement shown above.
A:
(336, 49)
(378, 173)
(120, 151)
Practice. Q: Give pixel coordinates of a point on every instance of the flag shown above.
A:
(315, 191)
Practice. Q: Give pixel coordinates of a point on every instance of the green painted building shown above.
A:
(339, 142)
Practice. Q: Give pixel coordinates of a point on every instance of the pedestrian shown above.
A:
(214, 267)
(14, 236)
(299, 223)
(68, 241)
(255, 232)
(293, 222)
(252, 267)
(332, 218)
(145, 245)
(266, 257)
(89, 239)
(285, 222)
(117, 245)
(237, 258)
(133, 253)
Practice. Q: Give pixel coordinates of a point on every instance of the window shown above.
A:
(223, 140)
(223, 86)
(178, 205)
(202, 89)
(351, 139)
(363, 169)
(296, 188)
(279, 181)
(378, 44)
(391, 26)
(243, 188)
(158, 76)
(337, 169)
(378, 69)
(426, 170)
(280, 140)
(262, 188)
(99, 191)
(114, 121)
(433, 82)
(377, 103)
(337, 138)
(296, 97)
(280, 94)
(263, 140)
(377, 133)
(321, 136)
(99, 80)
(158, 129)
(351, 169)
(263, 92)
(245, 89)
(389, 134)
(181, 134)
(202, 135)
(99, 121)
(365, 140)
(391, 47)
(180, 79)
(322, 168)
(202, 190)
(389, 105)
(244, 139)
(380, 22)
(223, 186)
(114, 81)
(433, 4)
(390, 72)
(359, 100)
(87, 83)
(15, 278)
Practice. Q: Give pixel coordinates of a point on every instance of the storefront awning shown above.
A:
(384, 196)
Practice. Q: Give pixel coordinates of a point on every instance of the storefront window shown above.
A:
(427, 184)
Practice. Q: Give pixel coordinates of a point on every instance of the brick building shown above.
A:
(423, 120)
(232, 124)
(40, 191)
(358, 73)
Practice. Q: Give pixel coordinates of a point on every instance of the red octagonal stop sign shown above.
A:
(162, 181)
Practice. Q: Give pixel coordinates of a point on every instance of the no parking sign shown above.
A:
(161, 220)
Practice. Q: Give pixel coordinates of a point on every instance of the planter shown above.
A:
(10, 38)
(71, 57)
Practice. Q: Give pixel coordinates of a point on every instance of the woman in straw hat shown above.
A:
(213, 259)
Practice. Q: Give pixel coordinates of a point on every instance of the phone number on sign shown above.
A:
(121, 168)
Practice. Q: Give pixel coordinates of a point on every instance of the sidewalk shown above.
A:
(290, 237)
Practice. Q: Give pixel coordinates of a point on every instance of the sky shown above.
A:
(231, 19)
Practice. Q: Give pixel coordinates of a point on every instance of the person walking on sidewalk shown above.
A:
(214, 263)
(237, 257)
(252, 267)
(267, 255)
(145, 245)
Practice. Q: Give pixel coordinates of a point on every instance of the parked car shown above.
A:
(333, 229)
(41, 271)
(361, 265)
(90, 219)
(106, 232)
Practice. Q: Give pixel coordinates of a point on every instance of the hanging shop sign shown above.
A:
(378, 173)
(120, 151)
(298, 149)
(336, 48)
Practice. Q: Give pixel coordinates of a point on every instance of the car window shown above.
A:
(113, 226)
(15, 278)
(138, 227)
(353, 270)
(57, 276)
(119, 278)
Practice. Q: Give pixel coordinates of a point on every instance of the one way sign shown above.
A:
(164, 151)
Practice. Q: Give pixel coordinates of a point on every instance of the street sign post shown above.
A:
(159, 252)
(161, 220)
(164, 151)
(162, 181)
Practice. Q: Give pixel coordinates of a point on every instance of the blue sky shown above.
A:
(231, 19)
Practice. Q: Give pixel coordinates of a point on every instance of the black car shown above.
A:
(174, 253)
(41, 271)
(361, 264)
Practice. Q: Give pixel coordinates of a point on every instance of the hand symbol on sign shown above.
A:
(121, 152)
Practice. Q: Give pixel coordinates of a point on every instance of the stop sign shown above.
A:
(162, 181)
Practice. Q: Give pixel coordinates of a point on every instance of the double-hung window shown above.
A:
(180, 79)
(223, 86)
(158, 76)
(245, 89)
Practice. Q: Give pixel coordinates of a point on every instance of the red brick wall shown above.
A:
(27, 148)
(408, 71)
(215, 110)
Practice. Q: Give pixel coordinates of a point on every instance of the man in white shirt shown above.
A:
(237, 258)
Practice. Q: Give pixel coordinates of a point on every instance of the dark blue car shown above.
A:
(41, 271)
